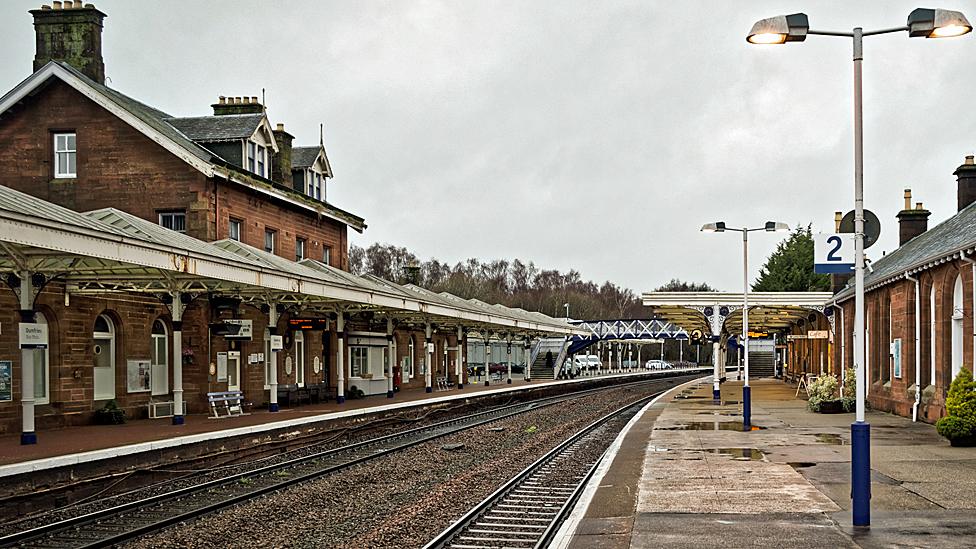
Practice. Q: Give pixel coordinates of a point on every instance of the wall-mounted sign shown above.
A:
(138, 375)
(6, 381)
(33, 336)
(245, 330)
(818, 334)
(277, 343)
(316, 365)
(367, 341)
(308, 323)
(833, 253)
(794, 337)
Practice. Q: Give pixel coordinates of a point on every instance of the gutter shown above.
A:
(915, 349)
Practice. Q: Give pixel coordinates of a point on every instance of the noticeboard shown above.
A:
(6, 381)
(138, 375)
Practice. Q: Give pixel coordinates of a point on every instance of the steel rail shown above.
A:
(444, 539)
(436, 430)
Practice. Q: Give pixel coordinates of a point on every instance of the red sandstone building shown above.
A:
(919, 308)
(230, 177)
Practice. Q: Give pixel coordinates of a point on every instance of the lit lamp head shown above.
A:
(780, 29)
(776, 227)
(937, 23)
(717, 227)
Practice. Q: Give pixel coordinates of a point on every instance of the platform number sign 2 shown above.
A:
(833, 253)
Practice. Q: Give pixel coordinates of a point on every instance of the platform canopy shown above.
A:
(768, 311)
(111, 251)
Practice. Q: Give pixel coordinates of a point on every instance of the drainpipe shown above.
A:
(918, 358)
(843, 355)
(972, 263)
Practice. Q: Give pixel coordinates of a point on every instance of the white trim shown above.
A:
(57, 152)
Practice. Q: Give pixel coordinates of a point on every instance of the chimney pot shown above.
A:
(254, 99)
(45, 7)
(79, 4)
(911, 223)
(237, 100)
(965, 183)
(969, 159)
(838, 216)
(221, 100)
(280, 127)
(56, 4)
(918, 206)
(908, 199)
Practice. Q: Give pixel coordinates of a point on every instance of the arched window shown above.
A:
(42, 369)
(159, 369)
(957, 314)
(103, 348)
(299, 358)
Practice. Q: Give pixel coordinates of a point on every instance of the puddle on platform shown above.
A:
(800, 464)
(727, 414)
(710, 426)
(738, 454)
(830, 438)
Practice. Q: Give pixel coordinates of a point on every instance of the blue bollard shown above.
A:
(746, 408)
(861, 473)
(28, 438)
(273, 407)
(178, 420)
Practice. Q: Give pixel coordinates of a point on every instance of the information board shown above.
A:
(6, 381)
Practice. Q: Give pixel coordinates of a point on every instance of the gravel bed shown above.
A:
(401, 500)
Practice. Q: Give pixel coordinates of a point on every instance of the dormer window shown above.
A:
(257, 159)
(315, 185)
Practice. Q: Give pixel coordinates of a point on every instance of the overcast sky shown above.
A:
(596, 136)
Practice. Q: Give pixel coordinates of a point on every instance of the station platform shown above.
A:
(71, 446)
(685, 475)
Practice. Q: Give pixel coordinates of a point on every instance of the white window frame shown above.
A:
(69, 152)
(42, 370)
(408, 371)
(301, 244)
(267, 358)
(173, 216)
(932, 336)
(156, 361)
(110, 336)
(251, 154)
(260, 161)
(358, 360)
(240, 229)
(327, 255)
(274, 240)
(299, 345)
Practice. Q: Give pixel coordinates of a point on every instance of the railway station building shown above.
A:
(167, 257)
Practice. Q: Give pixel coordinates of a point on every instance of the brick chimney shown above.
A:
(838, 281)
(281, 164)
(911, 221)
(966, 176)
(237, 105)
(70, 32)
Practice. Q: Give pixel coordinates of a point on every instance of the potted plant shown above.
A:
(188, 355)
(823, 395)
(110, 414)
(959, 424)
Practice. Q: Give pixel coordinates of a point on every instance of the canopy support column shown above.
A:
(177, 310)
(340, 358)
(27, 316)
(391, 357)
(272, 359)
(429, 350)
(509, 353)
(528, 359)
(459, 368)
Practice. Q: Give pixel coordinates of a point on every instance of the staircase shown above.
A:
(762, 364)
(554, 345)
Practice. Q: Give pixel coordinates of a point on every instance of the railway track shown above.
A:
(113, 525)
(527, 511)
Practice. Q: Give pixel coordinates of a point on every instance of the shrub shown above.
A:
(850, 384)
(111, 414)
(960, 420)
(822, 389)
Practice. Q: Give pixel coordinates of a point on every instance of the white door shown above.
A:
(103, 347)
(957, 314)
(299, 358)
(233, 371)
(159, 368)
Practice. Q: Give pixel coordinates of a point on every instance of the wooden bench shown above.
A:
(231, 402)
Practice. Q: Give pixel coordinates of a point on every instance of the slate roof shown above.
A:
(953, 235)
(304, 157)
(209, 129)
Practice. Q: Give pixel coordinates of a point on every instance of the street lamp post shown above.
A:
(922, 22)
(720, 227)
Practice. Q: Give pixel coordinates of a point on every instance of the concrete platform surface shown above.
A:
(686, 475)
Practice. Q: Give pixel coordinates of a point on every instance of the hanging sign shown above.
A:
(245, 330)
(818, 334)
(308, 323)
(833, 253)
(33, 336)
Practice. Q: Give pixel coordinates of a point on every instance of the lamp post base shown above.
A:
(340, 399)
(28, 438)
(178, 420)
(717, 395)
(746, 408)
(861, 473)
(273, 407)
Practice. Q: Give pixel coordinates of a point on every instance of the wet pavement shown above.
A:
(700, 481)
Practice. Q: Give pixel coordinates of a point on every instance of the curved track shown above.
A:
(136, 518)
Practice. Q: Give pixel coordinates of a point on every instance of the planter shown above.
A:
(831, 407)
(109, 417)
(963, 442)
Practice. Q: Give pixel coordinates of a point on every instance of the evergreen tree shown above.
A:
(790, 267)
(676, 285)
